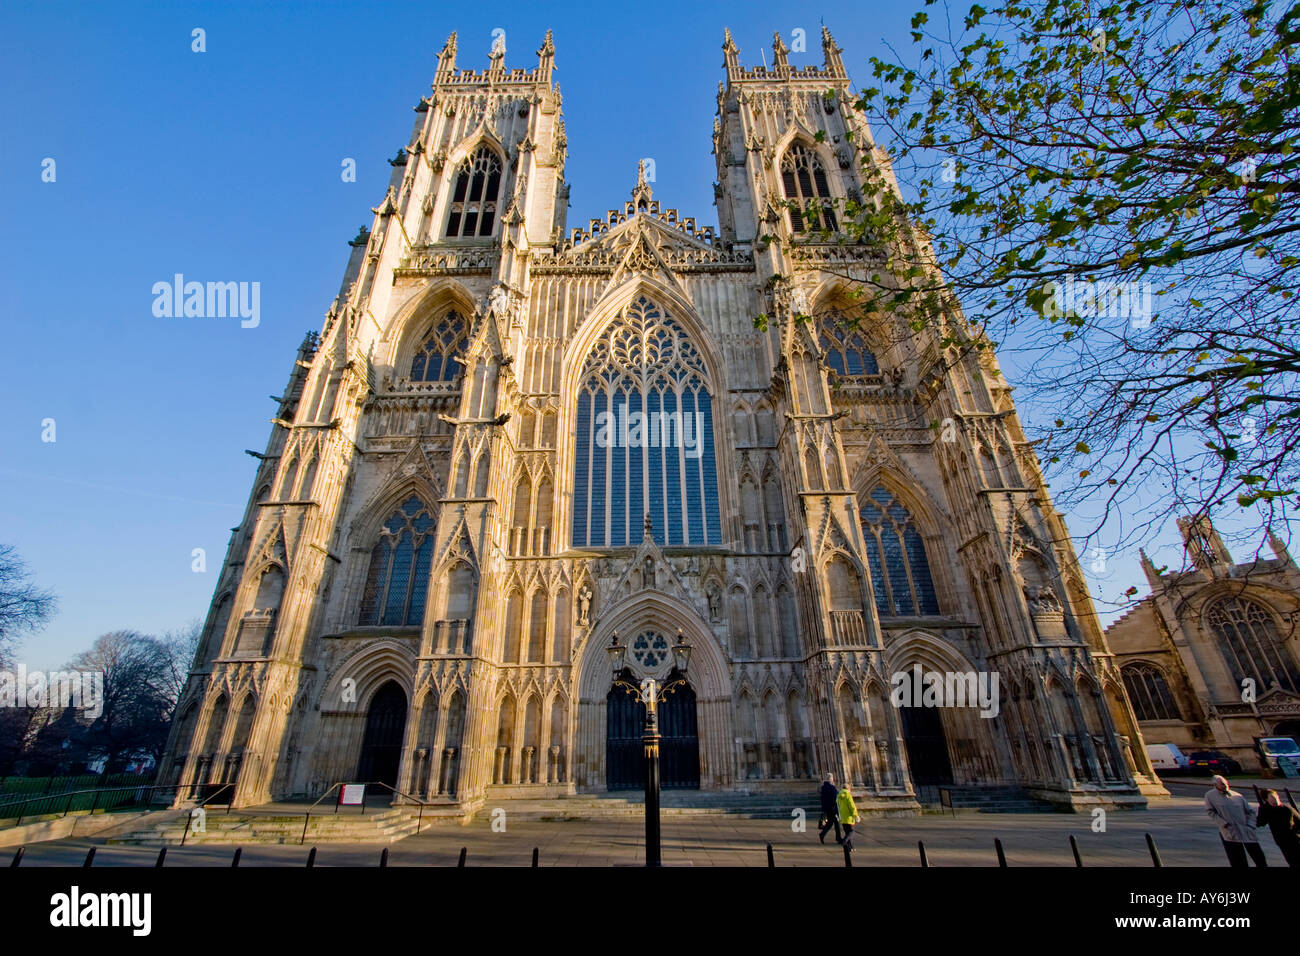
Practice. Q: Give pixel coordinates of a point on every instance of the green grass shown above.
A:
(50, 794)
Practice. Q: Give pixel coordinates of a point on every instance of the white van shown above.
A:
(1271, 748)
(1167, 758)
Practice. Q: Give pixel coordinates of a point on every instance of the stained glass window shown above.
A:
(398, 581)
(1249, 641)
(900, 572)
(1148, 691)
(644, 437)
(803, 178)
(650, 650)
(437, 359)
(846, 351)
(474, 196)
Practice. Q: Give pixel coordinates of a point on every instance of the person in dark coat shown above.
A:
(1283, 822)
(830, 816)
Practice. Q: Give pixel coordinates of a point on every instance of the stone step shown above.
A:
(381, 827)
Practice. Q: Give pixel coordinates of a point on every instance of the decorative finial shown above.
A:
(641, 194)
(649, 526)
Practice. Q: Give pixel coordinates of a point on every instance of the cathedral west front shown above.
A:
(512, 439)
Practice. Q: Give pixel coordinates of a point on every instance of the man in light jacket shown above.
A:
(1236, 820)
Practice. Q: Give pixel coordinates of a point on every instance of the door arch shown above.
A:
(381, 744)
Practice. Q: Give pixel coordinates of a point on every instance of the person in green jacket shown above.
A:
(848, 811)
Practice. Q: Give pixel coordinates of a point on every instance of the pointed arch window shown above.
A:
(846, 350)
(398, 580)
(1148, 691)
(644, 436)
(474, 195)
(803, 177)
(1250, 643)
(438, 358)
(900, 571)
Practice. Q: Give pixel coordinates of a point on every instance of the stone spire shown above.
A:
(497, 55)
(446, 59)
(780, 62)
(833, 62)
(641, 194)
(730, 54)
(546, 58)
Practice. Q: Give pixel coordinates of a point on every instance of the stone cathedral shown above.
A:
(511, 439)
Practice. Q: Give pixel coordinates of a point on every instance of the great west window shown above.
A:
(644, 437)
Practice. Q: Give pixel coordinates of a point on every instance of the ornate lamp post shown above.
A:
(651, 693)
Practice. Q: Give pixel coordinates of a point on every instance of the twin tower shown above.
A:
(441, 538)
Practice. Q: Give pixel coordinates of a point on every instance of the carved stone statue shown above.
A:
(584, 605)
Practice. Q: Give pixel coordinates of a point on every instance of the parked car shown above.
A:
(1212, 762)
(1167, 758)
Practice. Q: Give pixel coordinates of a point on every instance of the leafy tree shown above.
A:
(1072, 161)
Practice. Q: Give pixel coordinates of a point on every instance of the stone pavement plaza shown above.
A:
(1184, 834)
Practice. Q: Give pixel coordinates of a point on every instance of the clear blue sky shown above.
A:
(225, 165)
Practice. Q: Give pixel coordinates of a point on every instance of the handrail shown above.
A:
(65, 793)
(98, 791)
(419, 820)
(307, 816)
(221, 788)
(371, 783)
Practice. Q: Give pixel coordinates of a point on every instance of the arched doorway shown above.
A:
(679, 745)
(927, 746)
(679, 742)
(625, 723)
(381, 745)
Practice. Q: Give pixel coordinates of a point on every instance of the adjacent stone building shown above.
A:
(510, 440)
(1210, 657)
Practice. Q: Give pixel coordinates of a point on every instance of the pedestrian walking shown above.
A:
(1283, 822)
(830, 817)
(848, 814)
(1236, 820)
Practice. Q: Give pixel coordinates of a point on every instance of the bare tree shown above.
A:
(23, 606)
(179, 646)
(137, 704)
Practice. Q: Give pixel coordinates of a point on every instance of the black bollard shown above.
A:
(461, 861)
(771, 861)
(311, 857)
(534, 857)
(18, 857)
(1002, 857)
(383, 857)
(1074, 848)
(90, 857)
(162, 855)
(925, 860)
(1155, 854)
(234, 861)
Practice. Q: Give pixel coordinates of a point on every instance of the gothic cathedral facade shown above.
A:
(509, 442)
